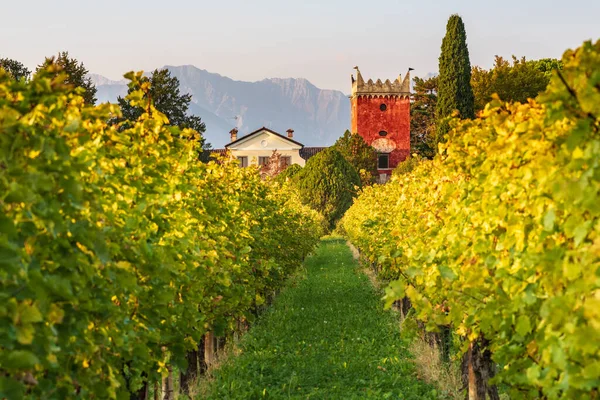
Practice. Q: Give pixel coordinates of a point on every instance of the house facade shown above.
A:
(257, 147)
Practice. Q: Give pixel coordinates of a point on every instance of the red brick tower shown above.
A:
(380, 113)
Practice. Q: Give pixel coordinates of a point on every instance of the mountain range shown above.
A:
(317, 116)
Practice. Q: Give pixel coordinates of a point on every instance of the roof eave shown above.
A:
(268, 130)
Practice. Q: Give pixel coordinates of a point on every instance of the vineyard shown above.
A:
(123, 255)
(119, 250)
(497, 239)
(310, 344)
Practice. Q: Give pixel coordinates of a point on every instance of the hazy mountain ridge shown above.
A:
(102, 80)
(317, 116)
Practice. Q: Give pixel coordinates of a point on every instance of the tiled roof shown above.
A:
(308, 152)
(216, 153)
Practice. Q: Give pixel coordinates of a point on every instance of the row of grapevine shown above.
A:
(498, 237)
(118, 249)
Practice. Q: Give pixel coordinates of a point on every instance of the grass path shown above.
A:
(326, 337)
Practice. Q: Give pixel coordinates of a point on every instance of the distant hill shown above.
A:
(317, 116)
(100, 80)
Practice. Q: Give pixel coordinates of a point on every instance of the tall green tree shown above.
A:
(327, 183)
(15, 68)
(422, 117)
(75, 74)
(518, 81)
(362, 156)
(455, 92)
(164, 93)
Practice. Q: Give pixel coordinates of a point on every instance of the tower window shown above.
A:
(383, 107)
(383, 161)
(382, 133)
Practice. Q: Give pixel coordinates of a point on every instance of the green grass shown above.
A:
(327, 337)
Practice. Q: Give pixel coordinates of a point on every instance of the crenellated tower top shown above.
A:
(398, 87)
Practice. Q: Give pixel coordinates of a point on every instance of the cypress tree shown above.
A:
(454, 85)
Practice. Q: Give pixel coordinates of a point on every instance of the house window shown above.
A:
(383, 107)
(243, 161)
(382, 133)
(285, 161)
(383, 161)
(263, 160)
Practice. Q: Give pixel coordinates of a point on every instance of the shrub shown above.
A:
(408, 165)
(362, 156)
(288, 173)
(328, 184)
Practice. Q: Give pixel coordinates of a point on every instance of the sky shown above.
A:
(318, 40)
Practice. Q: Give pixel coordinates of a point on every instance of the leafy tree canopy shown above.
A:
(328, 184)
(362, 156)
(75, 74)
(516, 81)
(455, 92)
(547, 65)
(166, 97)
(423, 138)
(15, 68)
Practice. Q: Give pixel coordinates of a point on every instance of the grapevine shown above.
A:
(498, 237)
(119, 250)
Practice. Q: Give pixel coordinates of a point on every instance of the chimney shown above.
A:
(290, 133)
(233, 134)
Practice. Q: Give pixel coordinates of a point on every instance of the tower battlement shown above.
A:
(399, 87)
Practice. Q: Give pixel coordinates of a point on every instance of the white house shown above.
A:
(257, 147)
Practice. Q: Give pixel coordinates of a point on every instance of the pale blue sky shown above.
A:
(318, 40)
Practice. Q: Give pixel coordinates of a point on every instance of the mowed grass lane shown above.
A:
(327, 337)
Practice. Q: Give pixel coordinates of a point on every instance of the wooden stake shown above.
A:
(473, 395)
(209, 349)
(168, 389)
